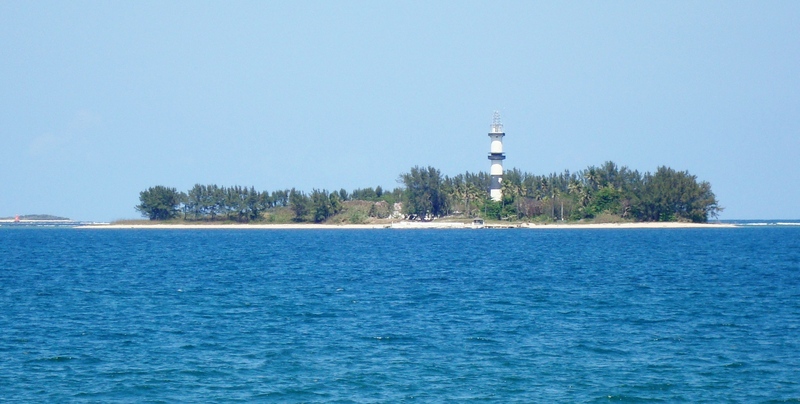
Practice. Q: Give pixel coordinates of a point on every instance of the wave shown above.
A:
(768, 224)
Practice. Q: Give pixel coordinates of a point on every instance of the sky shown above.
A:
(100, 100)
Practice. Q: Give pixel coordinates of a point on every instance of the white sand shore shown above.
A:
(643, 225)
(236, 226)
(410, 225)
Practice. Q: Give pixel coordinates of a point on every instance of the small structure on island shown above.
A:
(496, 156)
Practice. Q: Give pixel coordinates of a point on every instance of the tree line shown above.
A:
(246, 204)
(605, 192)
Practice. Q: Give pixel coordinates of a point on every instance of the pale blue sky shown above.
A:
(100, 100)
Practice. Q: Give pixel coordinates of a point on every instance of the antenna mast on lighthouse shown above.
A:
(496, 156)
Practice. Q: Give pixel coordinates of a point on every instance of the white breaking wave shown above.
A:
(769, 224)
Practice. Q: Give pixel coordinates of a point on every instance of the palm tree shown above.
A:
(473, 193)
(554, 193)
(574, 187)
(593, 178)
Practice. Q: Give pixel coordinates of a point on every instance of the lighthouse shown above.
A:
(496, 156)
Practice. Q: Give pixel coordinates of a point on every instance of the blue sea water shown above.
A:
(607, 315)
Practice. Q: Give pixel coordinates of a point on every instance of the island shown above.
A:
(605, 195)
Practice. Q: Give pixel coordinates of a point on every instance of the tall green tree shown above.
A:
(280, 197)
(194, 201)
(324, 205)
(254, 203)
(159, 203)
(425, 193)
(300, 203)
(670, 195)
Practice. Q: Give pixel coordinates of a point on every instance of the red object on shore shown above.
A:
(16, 218)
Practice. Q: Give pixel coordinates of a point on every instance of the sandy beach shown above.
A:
(411, 225)
(642, 225)
(236, 226)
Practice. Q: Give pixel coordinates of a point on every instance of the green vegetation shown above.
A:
(159, 203)
(426, 194)
(602, 194)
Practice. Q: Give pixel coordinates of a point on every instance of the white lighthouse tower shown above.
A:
(496, 156)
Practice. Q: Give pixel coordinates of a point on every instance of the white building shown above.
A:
(496, 156)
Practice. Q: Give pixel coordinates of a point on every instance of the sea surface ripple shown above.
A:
(631, 315)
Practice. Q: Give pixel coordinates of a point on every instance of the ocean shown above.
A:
(372, 316)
